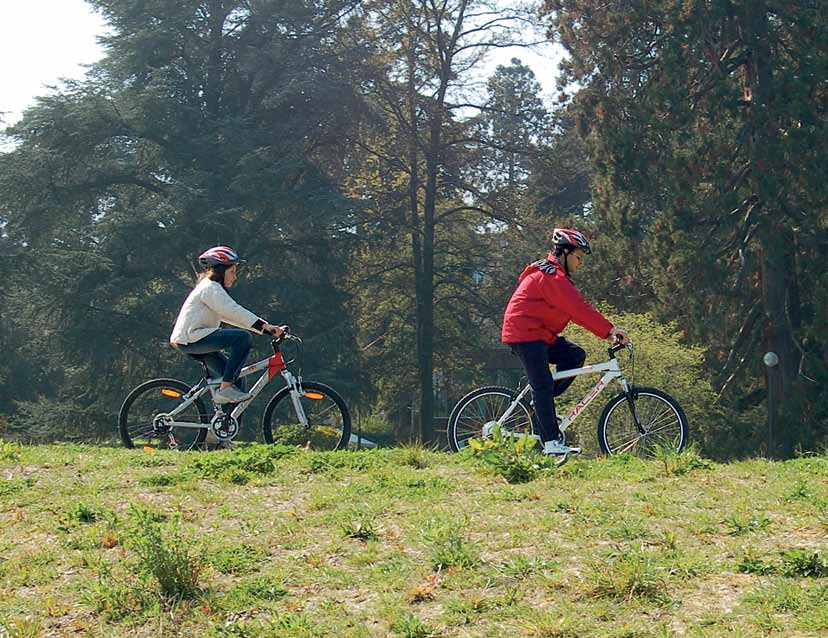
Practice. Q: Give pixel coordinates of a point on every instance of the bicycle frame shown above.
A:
(271, 366)
(612, 372)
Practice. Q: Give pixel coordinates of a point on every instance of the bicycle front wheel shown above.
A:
(139, 423)
(477, 412)
(663, 424)
(329, 421)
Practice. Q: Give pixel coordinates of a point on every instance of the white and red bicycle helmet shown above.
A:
(218, 256)
(571, 237)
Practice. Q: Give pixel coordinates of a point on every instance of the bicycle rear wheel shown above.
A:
(661, 417)
(329, 421)
(484, 407)
(138, 423)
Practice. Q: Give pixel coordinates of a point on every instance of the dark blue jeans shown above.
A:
(209, 349)
(536, 357)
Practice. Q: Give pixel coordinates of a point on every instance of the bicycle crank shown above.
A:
(225, 427)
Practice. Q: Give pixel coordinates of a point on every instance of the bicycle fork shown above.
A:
(628, 394)
(295, 385)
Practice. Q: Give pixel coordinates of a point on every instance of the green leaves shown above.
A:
(512, 456)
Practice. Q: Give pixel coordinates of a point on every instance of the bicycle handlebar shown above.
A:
(618, 346)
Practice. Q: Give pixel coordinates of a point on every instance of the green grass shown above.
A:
(275, 541)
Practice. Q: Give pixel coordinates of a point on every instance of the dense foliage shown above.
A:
(706, 125)
(386, 195)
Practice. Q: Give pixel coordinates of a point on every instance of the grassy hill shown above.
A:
(407, 543)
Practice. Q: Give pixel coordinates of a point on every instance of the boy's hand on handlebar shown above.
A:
(619, 335)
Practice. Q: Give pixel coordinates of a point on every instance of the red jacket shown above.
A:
(544, 302)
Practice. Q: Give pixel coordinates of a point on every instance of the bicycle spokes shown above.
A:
(652, 421)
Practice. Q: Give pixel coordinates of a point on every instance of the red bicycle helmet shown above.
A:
(571, 237)
(218, 256)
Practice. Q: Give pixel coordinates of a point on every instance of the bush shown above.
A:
(514, 458)
(166, 555)
(47, 420)
(661, 361)
(9, 451)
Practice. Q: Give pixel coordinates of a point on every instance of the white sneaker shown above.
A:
(230, 395)
(559, 447)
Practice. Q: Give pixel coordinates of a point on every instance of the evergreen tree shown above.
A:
(205, 123)
(706, 122)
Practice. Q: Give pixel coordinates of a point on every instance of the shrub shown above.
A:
(662, 361)
(513, 458)
(167, 555)
(47, 420)
(9, 451)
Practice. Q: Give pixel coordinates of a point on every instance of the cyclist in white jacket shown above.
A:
(198, 328)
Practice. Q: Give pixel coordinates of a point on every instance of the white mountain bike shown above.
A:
(170, 413)
(637, 420)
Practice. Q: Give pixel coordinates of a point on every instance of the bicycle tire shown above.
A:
(654, 407)
(138, 428)
(472, 412)
(280, 425)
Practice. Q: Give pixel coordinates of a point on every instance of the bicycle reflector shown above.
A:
(169, 392)
(316, 396)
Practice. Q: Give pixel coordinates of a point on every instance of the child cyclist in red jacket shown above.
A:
(544, 302)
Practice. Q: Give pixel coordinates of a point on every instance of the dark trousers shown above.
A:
(536, 357)
(209, 350)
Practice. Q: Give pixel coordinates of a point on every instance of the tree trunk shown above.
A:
(425, 286)
(778, 269)
(423, 265)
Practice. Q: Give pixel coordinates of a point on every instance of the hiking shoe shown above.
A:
(230, 395)
(559, 447)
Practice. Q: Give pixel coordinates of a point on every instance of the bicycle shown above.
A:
(654, 420)
(173, 413)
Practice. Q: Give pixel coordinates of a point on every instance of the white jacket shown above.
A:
(203, 311)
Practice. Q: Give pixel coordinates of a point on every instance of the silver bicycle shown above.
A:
(170, 413)
(637, 420)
